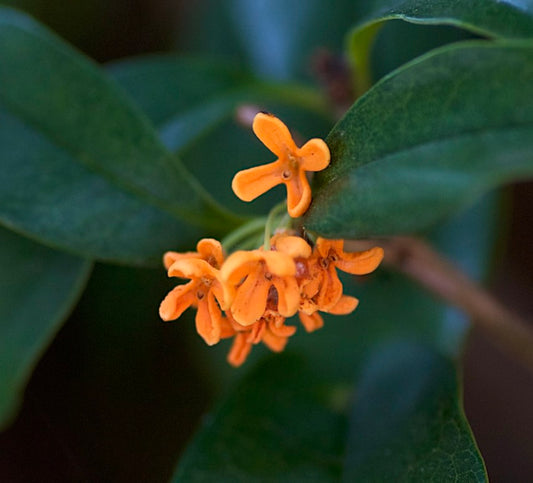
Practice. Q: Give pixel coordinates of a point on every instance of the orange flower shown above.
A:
(319, 283)
(270, 329)
(204, 291)
(290, 167)
(207, 249)
(312, 320)
(257, 278)
(357, 263)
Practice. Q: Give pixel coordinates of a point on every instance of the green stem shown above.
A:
(244, 231)
(271, 221)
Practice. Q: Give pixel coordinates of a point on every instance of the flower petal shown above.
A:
(311, 322)
(330, 291)
(256, 334)
(294, 246)
(282, 330)
(226, 328)
(273, 342)
(208, 320)
(311, 284)
(298, 194)
(345, 305)
(274, 134)
(170, 257)
(239, 350)
(250, 300)
(177, 301)
(211, 251)
(288, 295)
(279, 264)
(238, 265)
(253, 182)
(194, 268)
(324, 247)
(360, 263)
(314, 155)
(218, 290)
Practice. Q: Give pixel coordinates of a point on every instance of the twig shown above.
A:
(417, 259)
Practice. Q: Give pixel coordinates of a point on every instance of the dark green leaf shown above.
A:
(278, 425)
(276, 39)
(491, 18)
(83, 169)
(39, 286)
(187, 97)
(407, 424)
(427, 140)
(193, 101)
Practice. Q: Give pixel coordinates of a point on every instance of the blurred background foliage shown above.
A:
(118, 394)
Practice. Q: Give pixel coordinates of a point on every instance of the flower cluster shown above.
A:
(250, 294)
(259, 289)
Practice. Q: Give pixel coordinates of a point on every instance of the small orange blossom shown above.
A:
(270, 329)
(203, 291)
(290, 167)
(251, 278)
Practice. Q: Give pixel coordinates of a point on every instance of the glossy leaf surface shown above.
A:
(82, 168)
(490, 18)
(275, 426)
(39, 287)
(493, 18)
(406, 423)
(428, 139)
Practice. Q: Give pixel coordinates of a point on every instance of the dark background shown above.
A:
(121, 407)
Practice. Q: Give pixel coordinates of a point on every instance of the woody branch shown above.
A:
(415, 258)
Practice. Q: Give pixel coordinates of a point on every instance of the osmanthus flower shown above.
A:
(269, 329)
(290, 168)
(320, 287)
(204, 291)
(253, 277)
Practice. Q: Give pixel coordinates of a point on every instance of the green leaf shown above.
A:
(187, 97)
(39, 287)
(83, 169)
(490, 18)
(192, 102)
(428, 139)
(275, 39)
(276, 426)
(407, 425)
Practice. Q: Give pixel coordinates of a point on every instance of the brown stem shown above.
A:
(417, 259)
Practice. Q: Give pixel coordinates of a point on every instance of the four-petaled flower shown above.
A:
(290, 167)
(204, 291)
(254, 278)
(320, 287)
